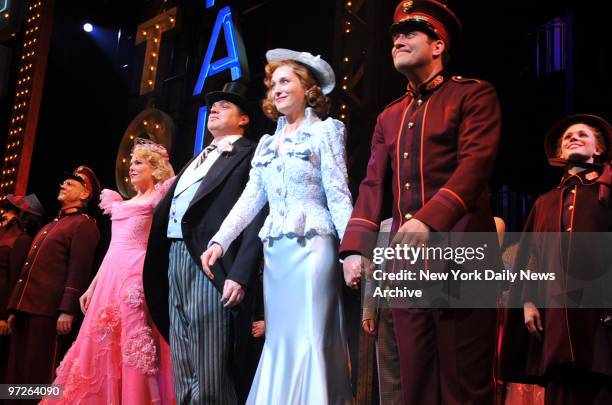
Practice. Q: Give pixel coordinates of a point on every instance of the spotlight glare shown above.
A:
(87, 27)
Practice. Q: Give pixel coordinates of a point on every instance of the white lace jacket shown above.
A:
(305, 186)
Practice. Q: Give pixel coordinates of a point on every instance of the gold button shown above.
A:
(410, 124)
(20, 280)
(26, 263)
(573, 191)
(407, 186)
(406, 154)
(569, 229)
(45, 232)
(459, 77)
(419, 101)
(408, 216)
(571, 207)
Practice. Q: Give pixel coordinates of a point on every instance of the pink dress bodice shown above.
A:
(131, 220)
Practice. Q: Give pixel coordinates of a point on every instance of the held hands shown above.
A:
(353, 267)
(4, 328)
(85, 300)
(412, 233)
(11, 323)
(258, 329)
(233, 293)
(209, 257)
(368, 326)
(533, 320)
(64, 324)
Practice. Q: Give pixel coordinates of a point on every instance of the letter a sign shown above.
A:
(235, 55)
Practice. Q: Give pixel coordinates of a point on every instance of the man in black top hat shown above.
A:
(207, 321)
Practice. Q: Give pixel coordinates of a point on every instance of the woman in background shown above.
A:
(20, 223)
(560, 339)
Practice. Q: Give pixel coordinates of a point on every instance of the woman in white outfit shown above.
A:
(301, 172)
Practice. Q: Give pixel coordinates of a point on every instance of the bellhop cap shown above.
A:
(87, 178)
(552, 137)
(431, 15)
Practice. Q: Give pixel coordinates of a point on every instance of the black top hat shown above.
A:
(234, 92)
(552, 137)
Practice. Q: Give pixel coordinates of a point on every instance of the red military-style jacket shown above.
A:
(57, 268)
(14, 245)
(566, 233)
(440, 141)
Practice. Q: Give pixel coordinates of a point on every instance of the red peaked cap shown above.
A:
(86, 177)
(432, 15)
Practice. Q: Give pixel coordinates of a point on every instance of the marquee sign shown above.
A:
(234, 61)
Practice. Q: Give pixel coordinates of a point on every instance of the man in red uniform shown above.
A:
(20, 221)
(440, 140)
(45, 300)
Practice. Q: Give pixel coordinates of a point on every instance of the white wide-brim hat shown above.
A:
(321, 69)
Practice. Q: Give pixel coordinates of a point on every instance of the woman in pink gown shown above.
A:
(119, 357)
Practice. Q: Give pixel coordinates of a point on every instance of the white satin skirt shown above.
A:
(305, 356)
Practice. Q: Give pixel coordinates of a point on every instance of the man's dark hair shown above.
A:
(446, 54)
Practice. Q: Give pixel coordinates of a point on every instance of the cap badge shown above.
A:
(591, 176)
(407, 6)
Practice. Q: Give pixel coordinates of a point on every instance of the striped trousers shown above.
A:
(199, 334)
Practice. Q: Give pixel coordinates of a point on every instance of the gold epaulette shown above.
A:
(89, 217)
(461, 79)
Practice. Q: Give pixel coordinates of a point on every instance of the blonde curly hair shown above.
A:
(156, 156)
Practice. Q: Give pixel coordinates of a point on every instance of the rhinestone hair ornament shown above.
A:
(151, 146)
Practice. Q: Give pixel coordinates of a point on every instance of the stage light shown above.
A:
(87, 27)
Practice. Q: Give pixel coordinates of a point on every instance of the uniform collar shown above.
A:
(584, 177)
(12, 223)
(429, 86)
(70, 211)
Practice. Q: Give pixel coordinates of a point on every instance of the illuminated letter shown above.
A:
(235, 49)
(231, 61)
(151, 32)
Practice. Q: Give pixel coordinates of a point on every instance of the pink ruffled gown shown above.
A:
(119, 357)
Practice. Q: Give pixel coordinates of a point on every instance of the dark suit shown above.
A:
(213, 200)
